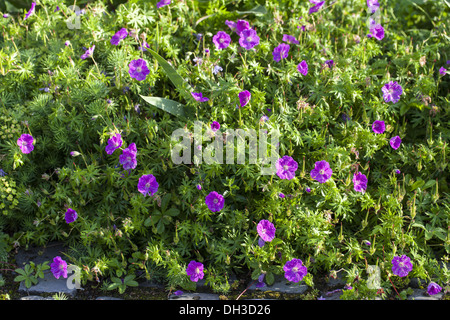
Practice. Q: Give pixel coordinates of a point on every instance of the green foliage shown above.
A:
(31, 273)
(69, 104)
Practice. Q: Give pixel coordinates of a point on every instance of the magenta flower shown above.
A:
(163, 3)
(316, 7)
(119, 36)
(221, 40)
(321, 172)
(31, 11)
(214, 201)
(395, 142)
(401, 266)
(25, 143)
(397, 171)
(147, 184)
(442, 71)
(138, 69)
(280, 52)
(359, 182)
(128, 157)
(373, 5)
(392, 92)
(433, 288)
(242, 25)
(378, 126)
(376, 30)
(290, 39)
(199, 96)
(248, 39)
(178, 293)
(294, 270)
(286, 167)
(303, 68)
(266, 230)
(215, 126)
(115, 142)
(195, 270)
(244, 97)
(71, 215)
(59, 267)
(231, 25)
(88, 53)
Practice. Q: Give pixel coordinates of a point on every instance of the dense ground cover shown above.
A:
(357, 91)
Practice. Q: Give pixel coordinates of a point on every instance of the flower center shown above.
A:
(295, 269)
(322, 171)
(128, 159)
(249, 39)
(147, 185)
(197, 270)
(221, 40)
(285, 167)
(215, 201)
(138, 69)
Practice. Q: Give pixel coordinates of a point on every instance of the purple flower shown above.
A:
(128, 157)
(433, 288)
(144, 46)
(231, 25)
(376, 30)
(199, 96)
(316, 7)
(178, 293)
(119, 36)
(266, 230)
(395, 142)
(214, 201)
(138, 69)
(244, 97)
(294, 270)
(392, 92)
(303, 68)
(373, 5)
(290, 39)
(71, 215)
(321, 172)
(25, 143)
(329, 63)
(261, 242)
(286, 167)
(442, 71)
(242, 25)
(401, 266)
(2, 173)
(359, 182)
(147, 184)
(5, 15)
(217, 69)
(67, 43)
(163, 3)
(31, 11)
(308, 189)
(57, 9)
(397, 171)
(378, 126)
(281, 195)
(280, 52)
(195, 270)
(114, 143)
(88, 53)
(59, 267)
(215, 126)
(199, 187)
(248, 39)
(221, 40)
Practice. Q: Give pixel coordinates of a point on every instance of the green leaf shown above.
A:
(167, 105)
(173, 212)
(270, 279)
(258, 10)
(417, 184)
(173, 75)
(165, 202)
